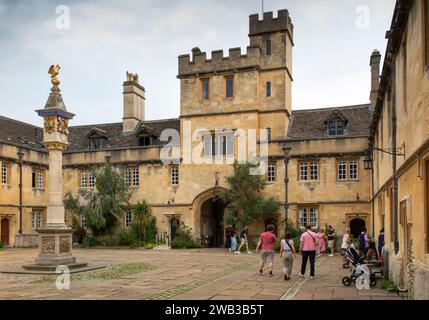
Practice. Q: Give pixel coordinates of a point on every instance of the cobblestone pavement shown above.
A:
(201, 274)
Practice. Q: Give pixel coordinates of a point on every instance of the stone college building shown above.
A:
(349, 166)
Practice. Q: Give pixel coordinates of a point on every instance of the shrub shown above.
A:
(388, 285)
(1, 245)
(150, 246)
(123, 238)
(184, 239)
(89, 241)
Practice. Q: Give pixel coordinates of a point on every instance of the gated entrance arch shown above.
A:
(356, 226)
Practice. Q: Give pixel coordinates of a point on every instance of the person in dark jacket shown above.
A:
(381, 243)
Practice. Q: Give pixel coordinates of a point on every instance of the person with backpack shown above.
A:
(309, 241)
(287, 254)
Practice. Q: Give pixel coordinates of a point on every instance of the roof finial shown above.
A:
(54, 70)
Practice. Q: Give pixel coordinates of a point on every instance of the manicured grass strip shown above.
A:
(198, 283)
(110, 273)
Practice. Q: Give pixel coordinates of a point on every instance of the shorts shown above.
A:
(267, 256)
(243, 241)
(331, 243)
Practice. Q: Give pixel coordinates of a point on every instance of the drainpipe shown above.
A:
(20, 157)
(394, 162)
(372, 198)
(286, 151)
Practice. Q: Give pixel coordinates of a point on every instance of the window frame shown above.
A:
(345, 173)
(229, 90)
(83, 179)
(220, 144)
(268, 47)
(350, 170)
(128, 219)
(4, 173)
(271, 172)
(302, 165)
(268, 89)
(174, 175)
(308, 215)
(314, 176)
(205, 89)
(336, 127)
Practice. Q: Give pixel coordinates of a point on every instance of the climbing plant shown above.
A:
(410, 270)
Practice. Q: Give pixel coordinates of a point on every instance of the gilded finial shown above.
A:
(54, 70)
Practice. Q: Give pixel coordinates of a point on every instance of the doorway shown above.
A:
(174, 225)
(356, 226)
(5, 232)
(212, 225)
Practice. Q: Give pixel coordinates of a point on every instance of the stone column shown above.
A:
(55, 237)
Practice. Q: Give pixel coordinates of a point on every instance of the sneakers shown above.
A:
(260, 273)
(270, 274)
(237, 252)
(249, 252)
(331, 255)
(312, 277)
(301, 276)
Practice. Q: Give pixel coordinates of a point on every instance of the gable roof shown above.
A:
(311, 124)
(28, 136)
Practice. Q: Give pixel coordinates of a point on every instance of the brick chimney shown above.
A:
(375, 76)
(134, 103)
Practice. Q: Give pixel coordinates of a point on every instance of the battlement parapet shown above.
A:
(283, 22)
(199, 64)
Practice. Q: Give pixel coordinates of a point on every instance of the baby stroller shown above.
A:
(359, 268)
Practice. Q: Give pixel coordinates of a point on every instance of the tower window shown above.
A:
(268, 89)
(268, 47)
(229, 87)
(205, 89)
(219, 145)
(96, 143)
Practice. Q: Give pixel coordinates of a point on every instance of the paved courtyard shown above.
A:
(207, 274)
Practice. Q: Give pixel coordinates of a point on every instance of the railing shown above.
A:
(163, 238)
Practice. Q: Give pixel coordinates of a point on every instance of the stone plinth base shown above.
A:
(55, 249)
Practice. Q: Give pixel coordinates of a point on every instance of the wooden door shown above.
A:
(5, 232)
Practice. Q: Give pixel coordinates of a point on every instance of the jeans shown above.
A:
(305, 256)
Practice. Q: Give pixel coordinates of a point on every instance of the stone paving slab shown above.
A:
(202, 274)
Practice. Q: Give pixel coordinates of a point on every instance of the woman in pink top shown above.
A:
(322, 245)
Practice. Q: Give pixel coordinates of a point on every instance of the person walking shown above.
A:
(331, 240)
(233, 241)
(322, 245)
(244, 238)
(309, 241)
(345, 246)
(228, 238)
(363, 242)
(287, 254)
(380, 244)
(266, 242)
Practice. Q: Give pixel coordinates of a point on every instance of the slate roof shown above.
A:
(28, 136)
(311, 124)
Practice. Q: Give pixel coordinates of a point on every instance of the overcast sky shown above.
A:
(333, 43)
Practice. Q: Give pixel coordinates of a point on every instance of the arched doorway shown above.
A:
(5, 232)
(356, 226)
(212, 225)
(174, 225)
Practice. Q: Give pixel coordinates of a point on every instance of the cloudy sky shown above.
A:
(333, 42)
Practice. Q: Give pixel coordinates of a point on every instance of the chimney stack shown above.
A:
(375, 76)
(134, 103)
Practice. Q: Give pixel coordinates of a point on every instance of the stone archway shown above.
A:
(356, 226)
(5, 232)
(208, 217)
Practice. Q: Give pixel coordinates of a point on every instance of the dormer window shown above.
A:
(336, 124)
(336, 127)
(96, 139)
(145, 141)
